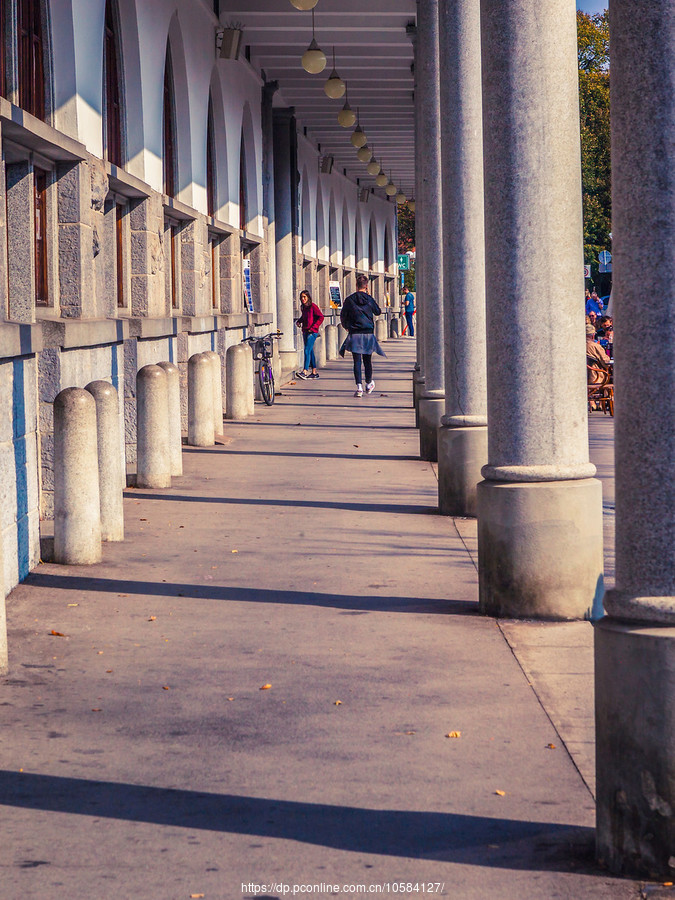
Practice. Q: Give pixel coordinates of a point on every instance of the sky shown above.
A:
(592, 6)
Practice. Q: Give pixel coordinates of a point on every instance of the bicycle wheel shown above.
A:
(266, 382)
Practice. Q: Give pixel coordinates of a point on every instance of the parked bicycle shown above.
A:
(262, 348)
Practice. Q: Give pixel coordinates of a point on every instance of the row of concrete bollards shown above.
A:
(89, 475)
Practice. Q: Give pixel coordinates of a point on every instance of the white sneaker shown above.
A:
(359, 390)
(370, 387)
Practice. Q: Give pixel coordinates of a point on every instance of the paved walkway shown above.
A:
(257, 687)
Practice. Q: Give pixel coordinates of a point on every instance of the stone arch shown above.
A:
(219, 145)
(321, 246)
(389, 257)
(249, 166)
(305, 216)
(113, 84)
(181, 102)
(334, 249)
(359, 253)
(348, 257)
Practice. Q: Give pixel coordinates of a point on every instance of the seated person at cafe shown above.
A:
(595, 355)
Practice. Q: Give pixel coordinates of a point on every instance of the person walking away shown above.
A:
(409, 311)
(310, 321)
(357, 317)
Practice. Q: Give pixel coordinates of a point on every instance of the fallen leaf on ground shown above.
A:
(142, 520)
(97, 709)
(73, 604)
(196, 896)
(108, 671)
(230, 698)
(550, 746)
(411, 732)
(500, 793)
(152, 618)
(454, 734)
(235, 551)
(165, 687)
(265, 687)
(58, 633)
(338, 703)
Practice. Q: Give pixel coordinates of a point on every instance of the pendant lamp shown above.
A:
(304, 4)
(335, 86)
(313, 59)
(364, 153)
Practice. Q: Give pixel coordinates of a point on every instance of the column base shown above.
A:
(431, 409)
(289, 362)
(462, 453)
(417, 391)
(540, 549)
(635, 736)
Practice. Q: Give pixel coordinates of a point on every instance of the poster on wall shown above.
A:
(248, 293)
(335, 295)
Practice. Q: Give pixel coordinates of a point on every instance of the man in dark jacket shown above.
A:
(357, 317)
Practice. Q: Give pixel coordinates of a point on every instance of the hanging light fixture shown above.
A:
(373, 167)
(381, 180)
(365, 154)
(391, 188)
(400, 198)
(411, 204)
(304, 4)
(358, 137)
(346, 116)
(335, 86)
(313, 59)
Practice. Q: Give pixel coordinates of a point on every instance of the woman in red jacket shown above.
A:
(310, 321)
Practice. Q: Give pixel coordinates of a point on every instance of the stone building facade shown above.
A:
(141, 175)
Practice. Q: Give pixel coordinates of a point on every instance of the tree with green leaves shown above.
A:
(596, 167)
(406, 241)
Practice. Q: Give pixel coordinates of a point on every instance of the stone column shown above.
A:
(539, 508)
(111, 475)
(176, 437)
(429, 266)
(635, 644)
(462, 437)
(77, 509)
(284, 159)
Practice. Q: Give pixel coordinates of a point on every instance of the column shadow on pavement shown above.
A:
(311, 504)
(355, 603)
(450, 837)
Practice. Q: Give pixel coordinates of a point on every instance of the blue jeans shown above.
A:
(310, 359)
(411, 327)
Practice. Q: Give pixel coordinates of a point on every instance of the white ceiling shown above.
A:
(374, 57)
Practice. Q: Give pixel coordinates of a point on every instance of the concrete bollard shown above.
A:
(331, 336)
(402, 326)
(320, 350)
(381, 329)
(77, 507)
(111, 474)
(238, 381)
(153, 436)
(201, 431)
(342, 335)
(217, 383)
(175, 433)
(394, 328)
(4, 656)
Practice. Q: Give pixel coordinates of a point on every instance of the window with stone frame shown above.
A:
(40, 183)
(3, 48)
(172, 271)
(121, 210)
(169, 130)
(30, 57)
(214, 249)
(112, 95)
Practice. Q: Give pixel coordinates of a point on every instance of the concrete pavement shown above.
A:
(256, 688)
